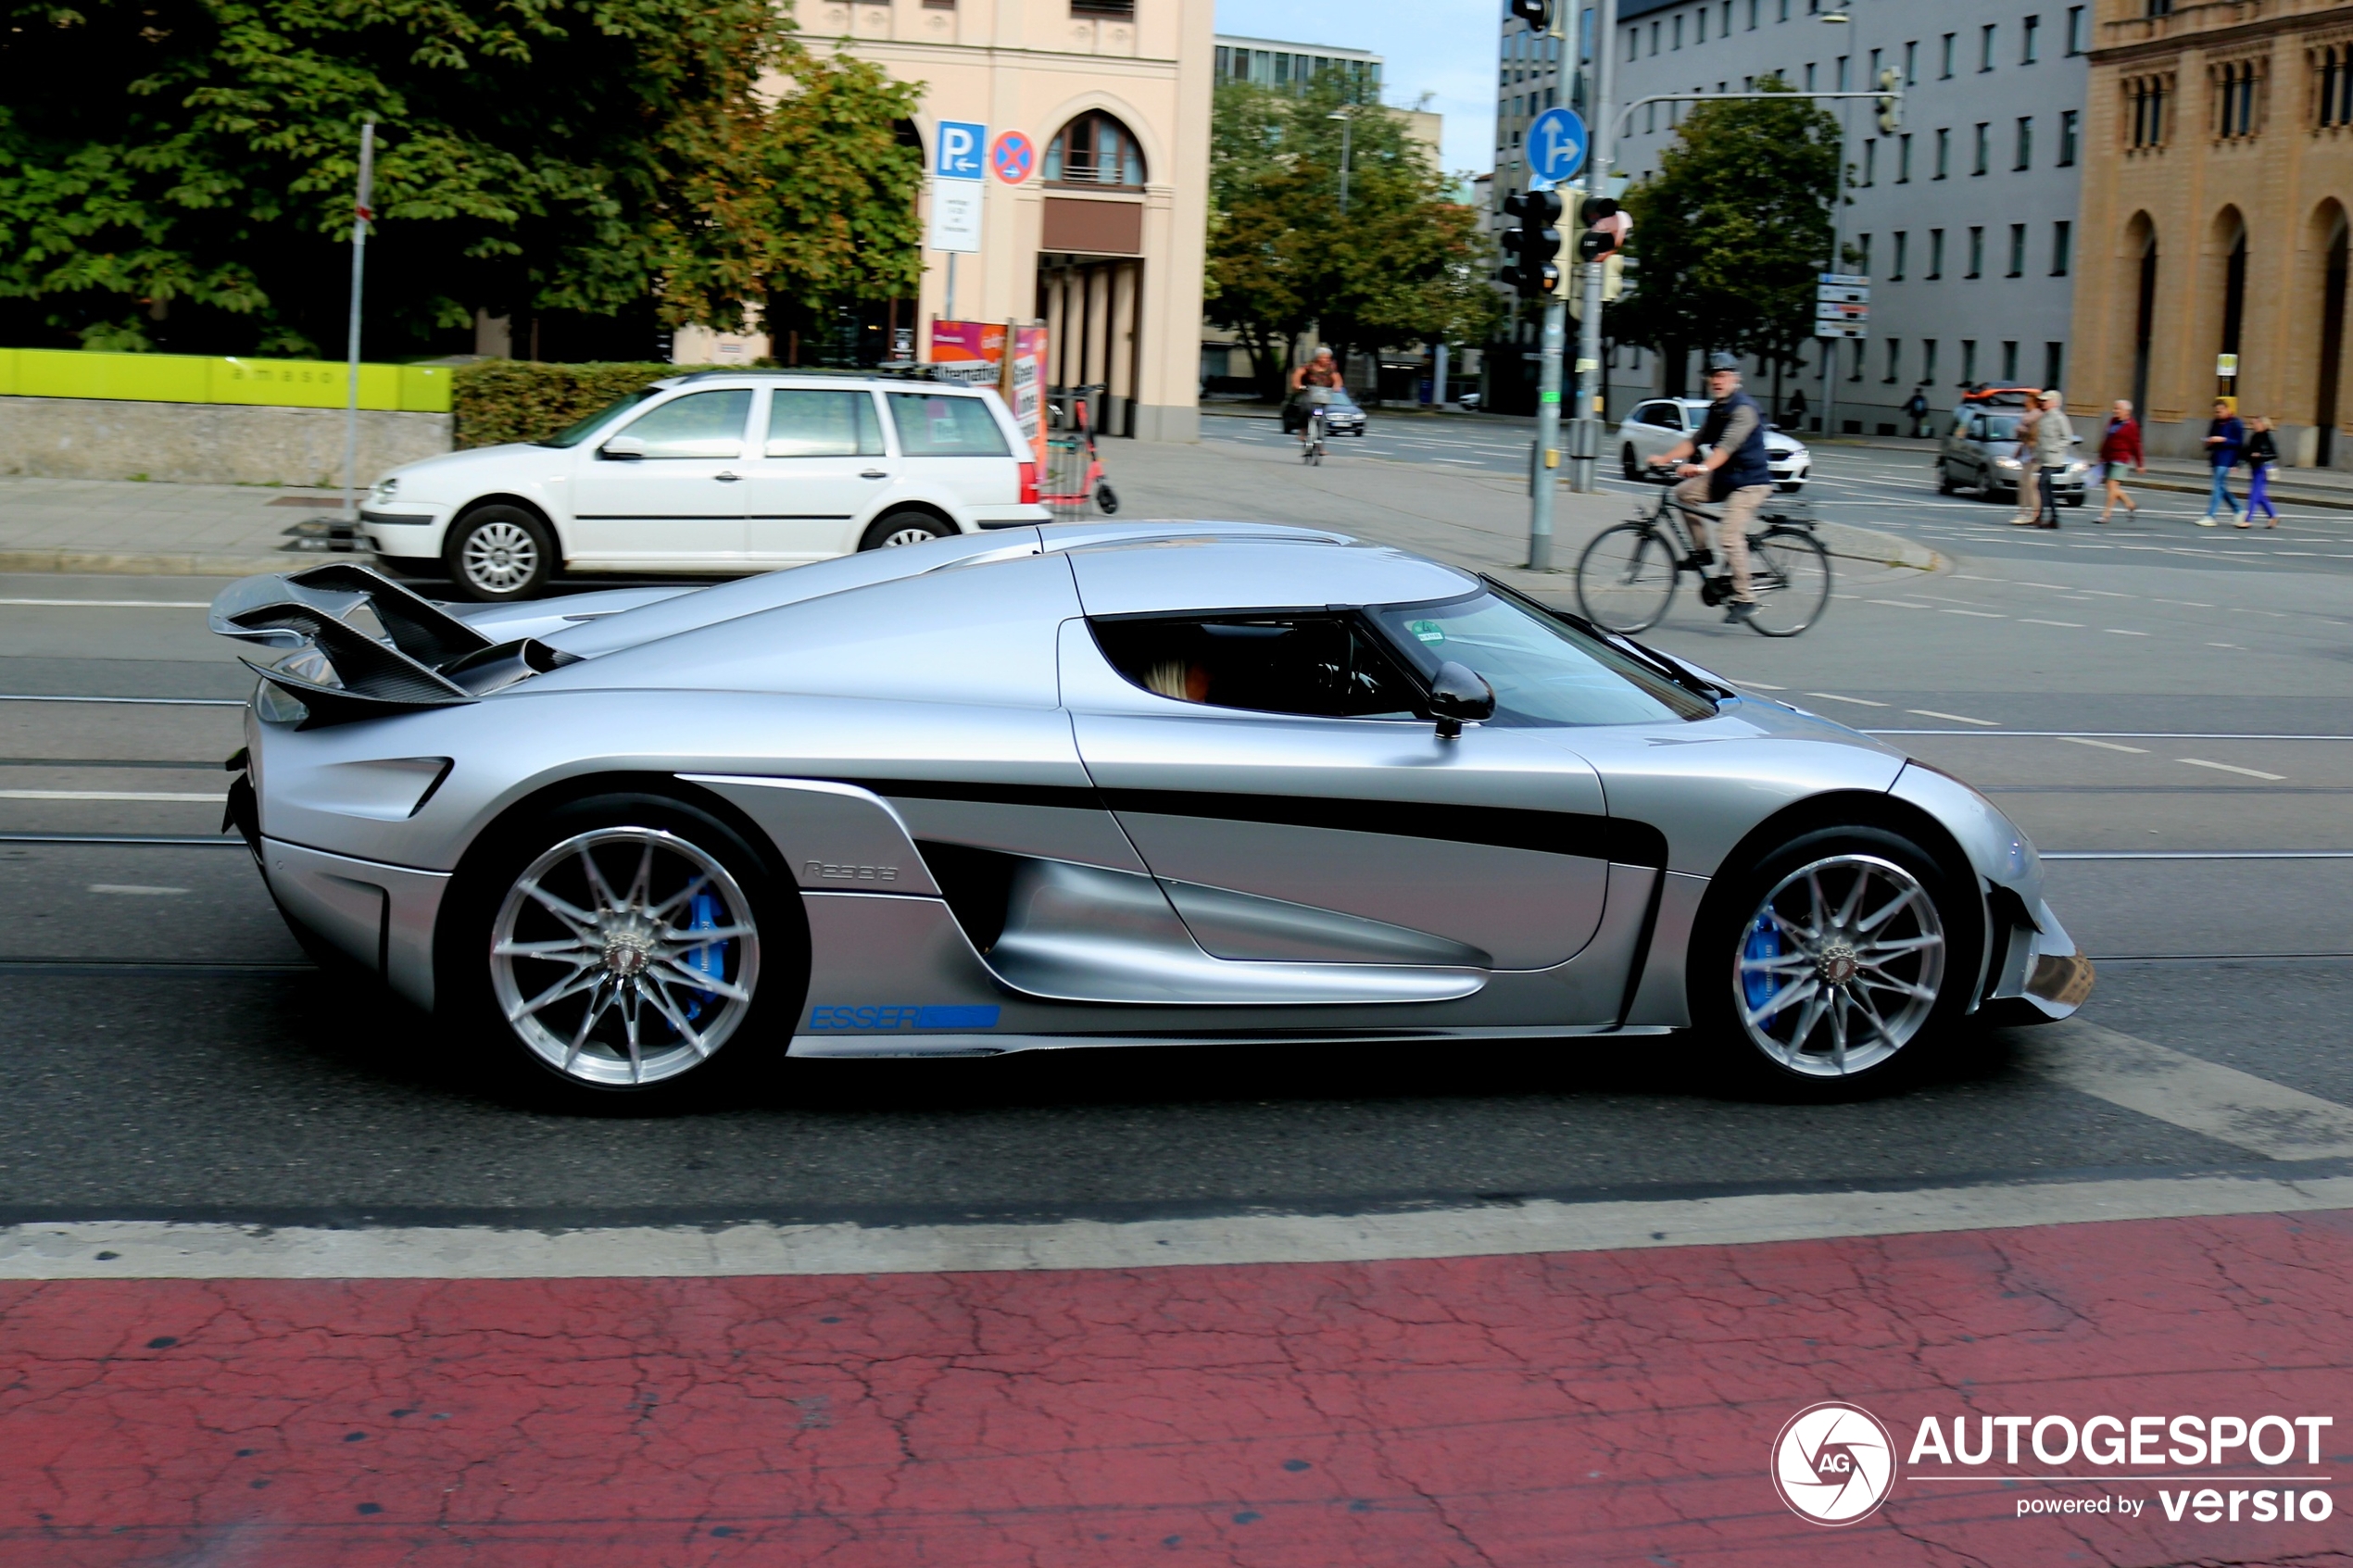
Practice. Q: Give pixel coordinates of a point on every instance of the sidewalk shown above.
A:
(169, 529)
(2304, 487)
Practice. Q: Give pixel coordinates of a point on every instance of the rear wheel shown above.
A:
(1789, 576)
(905, 528)
(499, 553)
(1944, 485)
(1834, 964)
(1625, 577)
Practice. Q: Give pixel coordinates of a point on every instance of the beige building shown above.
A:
(1103, 238)
(2218, 176)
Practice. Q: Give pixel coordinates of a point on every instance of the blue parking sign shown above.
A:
(1556, 148)
(964, 148)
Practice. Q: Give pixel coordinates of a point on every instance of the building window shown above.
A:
(1125, 9)
(1943, 154)
(1946, 74)
(1633, 42)
(1810, 76)
(2071, 123)
(2030, 33)
(2053, 361)
(1753, 7)
(1699, 20)
(1863, 244)
(1095, 149)
(1904, 159)
(2148, 94)
(2235, 98)
(1968, 362)
(1976, 253)
(2075, 30)
(2018, 251)
(1985, 49)
(1679, 30)
(1784, 16)
(1928, 360)
(2062, 248)
(1911, 64)
(1861, 348)
(2009, 363)
(2025, 143)
(1871, 160)
(1936, 252)
(1984, 147)
(2160, 7)
(1654, 38)
(1842, 75)
(2333, 66)
(1903, 241)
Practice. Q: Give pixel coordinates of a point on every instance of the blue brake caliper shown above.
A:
(1764, 944)
(710, 959)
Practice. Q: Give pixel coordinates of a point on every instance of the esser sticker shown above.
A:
(1428, 631)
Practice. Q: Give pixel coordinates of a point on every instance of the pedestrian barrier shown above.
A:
(188, 378)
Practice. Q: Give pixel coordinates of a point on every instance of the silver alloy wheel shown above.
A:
(907, 536)
(625, 984)
(499, 558)
(1840, 966)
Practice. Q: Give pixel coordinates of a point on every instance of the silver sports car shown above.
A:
(1104, 785)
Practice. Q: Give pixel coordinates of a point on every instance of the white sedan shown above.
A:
(711, 473)
(1658, 423)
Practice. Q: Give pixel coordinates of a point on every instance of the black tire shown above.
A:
(1106, 500)
(1729, 936)
(497, 553)
(1626, 463)
(773, 965)
(1626, 578)
(1790, 578)
(894, 529)
(1944, 485)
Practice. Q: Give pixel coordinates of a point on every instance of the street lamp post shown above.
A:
(1347, 132)
(1826, 348)
(1585, 434)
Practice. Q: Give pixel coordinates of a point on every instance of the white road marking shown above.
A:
(157, 1249)
(2120, 631)
(2187, 604)
(1956, 718)
(1761, 686)
(2228, 768)
(1981, 614)
(105, 794)
(2105, 745)
(2205, 1096)
(1859, 701)
(134, 890)
(114, 604)
(1896, 604)
(2031, 621)
(2226, 646)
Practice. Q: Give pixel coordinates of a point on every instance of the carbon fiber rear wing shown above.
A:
(362, 647)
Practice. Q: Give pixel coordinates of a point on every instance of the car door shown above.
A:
(952, 452)
(816, 475)
(1643, 434)
(663, 490)
(1272, 773)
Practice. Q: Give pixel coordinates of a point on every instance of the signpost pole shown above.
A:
(1587, 436)
(1557, 145)
(362, 210)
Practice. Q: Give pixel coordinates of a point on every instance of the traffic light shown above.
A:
(1537, 14)
(1533, 243)
(1889, 102)
(1604, 232)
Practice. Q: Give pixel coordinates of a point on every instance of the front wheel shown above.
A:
(905, 528)
(1789, 576)
(499, 553)
(1833, 962)
(1625, 577)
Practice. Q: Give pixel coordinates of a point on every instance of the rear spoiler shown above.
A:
(415, 656)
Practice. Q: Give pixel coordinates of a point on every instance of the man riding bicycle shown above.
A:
(1733, 473)
(1312, 384)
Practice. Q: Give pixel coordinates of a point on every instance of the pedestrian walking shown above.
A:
(2261, 453)
(2225, 439)
(2054, 433)
(2028, 503)
(1917, 407)
(2119, 448)
(1797, 409)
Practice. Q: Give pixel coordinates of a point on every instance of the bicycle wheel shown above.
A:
(1789, 573)
(1625, 577)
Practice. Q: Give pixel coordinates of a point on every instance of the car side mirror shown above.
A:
(1457, 693)
(623, 449)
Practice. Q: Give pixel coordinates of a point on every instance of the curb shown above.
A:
(1850, 542)
(140, 563)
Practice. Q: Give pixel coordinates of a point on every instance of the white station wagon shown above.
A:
(712, 472)
(1660, 423)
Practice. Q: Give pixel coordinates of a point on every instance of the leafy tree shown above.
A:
(178, 172)
(1407, 262)
(1730, 232)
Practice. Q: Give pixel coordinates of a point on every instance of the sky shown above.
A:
(1444, 47)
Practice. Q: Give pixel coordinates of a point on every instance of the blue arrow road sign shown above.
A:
(963, 145)
(1556, 148)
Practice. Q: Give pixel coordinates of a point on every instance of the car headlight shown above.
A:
(2006, 462)
(385, 489)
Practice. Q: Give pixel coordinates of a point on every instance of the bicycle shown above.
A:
(1311, 441)
(1627, 574)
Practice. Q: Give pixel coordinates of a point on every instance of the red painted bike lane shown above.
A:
(1537, 1410)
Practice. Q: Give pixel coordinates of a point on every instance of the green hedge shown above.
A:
(499, 400)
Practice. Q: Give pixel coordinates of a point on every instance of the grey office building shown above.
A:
(1965, 214)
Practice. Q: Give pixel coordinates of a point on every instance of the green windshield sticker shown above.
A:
(1428, 631)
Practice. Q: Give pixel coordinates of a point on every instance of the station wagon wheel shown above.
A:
(905, 528)
(1832, 962)
(497, 553)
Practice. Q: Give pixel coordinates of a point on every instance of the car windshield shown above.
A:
(1545, 671)
(1341, 398)
(574, 434)
(1997, 427)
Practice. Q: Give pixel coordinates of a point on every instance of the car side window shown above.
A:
(1317, 666)
(823, 424)
(1656, 414)
(701, 424)
(933, 425)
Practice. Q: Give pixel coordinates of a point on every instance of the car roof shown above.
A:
(911, 381)
(1208, 571)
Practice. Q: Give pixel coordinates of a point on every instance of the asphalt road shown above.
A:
(2147, 689)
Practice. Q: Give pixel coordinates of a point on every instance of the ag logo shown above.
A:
(1834, 1463)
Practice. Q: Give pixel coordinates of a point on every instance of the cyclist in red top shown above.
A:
(1312, 385)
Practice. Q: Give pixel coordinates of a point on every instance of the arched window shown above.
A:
(1095, 149)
